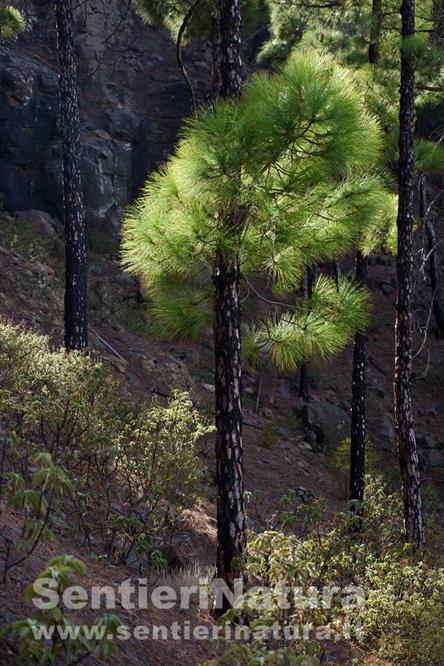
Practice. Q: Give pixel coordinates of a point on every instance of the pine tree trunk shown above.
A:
(336, 272)
(358, 431)
(216, 56)
(358, 423)
(231, 538)
(433, 261)
(375, 32)
(229, 446)
(405, 434)
(304, 392)
(230, 48)
(76, 328)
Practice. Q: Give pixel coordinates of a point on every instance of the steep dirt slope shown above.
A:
(282, 450)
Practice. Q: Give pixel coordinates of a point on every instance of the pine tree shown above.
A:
(261, 186)
(405, 434)
(76, 327)
(335, 29)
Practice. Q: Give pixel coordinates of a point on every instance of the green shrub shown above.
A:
(403, 616)
(401, 620)
(134, 467)
(73, 648)
(35, 503)
(153, 461)
(237, 654)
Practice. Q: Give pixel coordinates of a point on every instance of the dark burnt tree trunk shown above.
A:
(358, 423)
(76, 328)
(432, 253)
(227, 340)
(230, 24)
(433, 257)
(375, 32)
(358, 426)
(336, 272)
(405, 433)
(216, 56)
(304, 391)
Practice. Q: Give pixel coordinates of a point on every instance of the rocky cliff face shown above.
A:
(132, 99)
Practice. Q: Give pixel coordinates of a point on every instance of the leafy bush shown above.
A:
(128, 469)
(401, 617)
(47, 483)
(153, 462)
(80, 641)
(237, 654)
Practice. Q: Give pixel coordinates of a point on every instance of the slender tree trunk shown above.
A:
(438, 23)
(432, 252)
(229, 446)
(375, 32)
(405, 433)
(303, 376)
(231, 538)
(216, 56)
(336, 271)
(230, 48)
(358, 425)
(76, 327)
(358, 422)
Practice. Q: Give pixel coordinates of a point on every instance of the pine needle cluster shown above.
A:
(11, 22)
(295, 164)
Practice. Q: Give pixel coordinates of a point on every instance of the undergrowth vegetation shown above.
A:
(333, 583)
(125, 471)
(76, 458)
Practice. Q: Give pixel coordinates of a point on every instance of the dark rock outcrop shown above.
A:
(132, 100)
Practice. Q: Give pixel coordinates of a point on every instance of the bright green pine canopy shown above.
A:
(296, 160)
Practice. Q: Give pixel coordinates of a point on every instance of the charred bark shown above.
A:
(231, 537)
(358, 417)
(216, 56)
(229, 446)
(432, 253)
(304, 390)
(375, 32)
(404, 428)
(336, 272)
(230, 48)
(358, 425)
(76, 326)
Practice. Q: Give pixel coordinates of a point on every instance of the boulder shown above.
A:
(132, 100)
(169, 553)
(41, 221)
(328, 421)
(436, 458)
(306, 496)
(386, 429)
